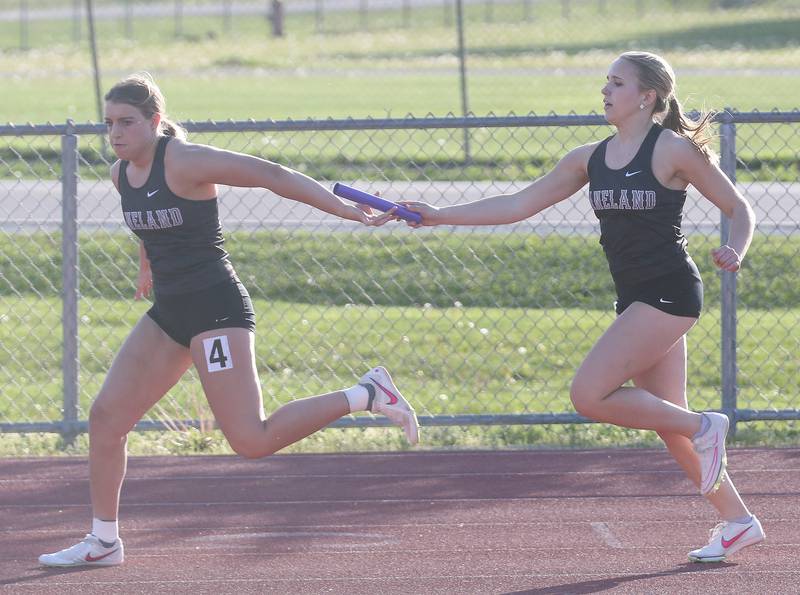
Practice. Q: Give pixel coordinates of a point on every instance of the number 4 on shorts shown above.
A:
(218, 354)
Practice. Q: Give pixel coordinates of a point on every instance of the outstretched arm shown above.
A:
(715, 186)
(208, 165)
(565, 179)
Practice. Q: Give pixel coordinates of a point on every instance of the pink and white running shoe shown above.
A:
(727, 538)
(89, 552)
(384, 398)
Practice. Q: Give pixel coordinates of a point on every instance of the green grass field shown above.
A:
(451, 360)
(521, 325)
(741, 58)
(744, 58)
(473, 324)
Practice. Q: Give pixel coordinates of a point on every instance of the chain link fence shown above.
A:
(479, 325)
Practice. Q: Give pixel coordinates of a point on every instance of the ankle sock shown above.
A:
(359, 397)
(106, 531)
(705, 423)
(742, 520)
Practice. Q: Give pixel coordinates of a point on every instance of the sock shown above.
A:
(359, 397)
(705, 423)
(742, 520)
(106, 531)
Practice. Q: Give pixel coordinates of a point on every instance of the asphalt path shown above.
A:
(29, 206)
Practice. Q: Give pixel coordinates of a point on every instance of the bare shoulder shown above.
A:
(178, 148)
(186, 156)
(585, 151)
(676, 146)
(579, 157)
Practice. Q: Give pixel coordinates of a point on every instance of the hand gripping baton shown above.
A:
(371, 200)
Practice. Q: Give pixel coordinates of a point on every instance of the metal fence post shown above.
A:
(462, 69)
(128, 19)
(69, 279)
(24, 36)
(76, 20)
(319, 16)
(178, 18)
(728, 282)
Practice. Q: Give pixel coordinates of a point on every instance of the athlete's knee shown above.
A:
(583, 397)
(253, 445)
(103, 420)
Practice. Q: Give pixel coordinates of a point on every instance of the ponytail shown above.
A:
(697, 132)
(655, 73)
(170, 128)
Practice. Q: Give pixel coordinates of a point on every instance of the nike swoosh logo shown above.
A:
(663, 301)
(91, 558)
(628, 174)
(391, 395)
(726, 543)
(149, 194)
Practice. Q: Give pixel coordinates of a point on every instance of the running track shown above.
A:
(427, 522)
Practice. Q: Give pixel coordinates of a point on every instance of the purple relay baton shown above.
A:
(371, 200)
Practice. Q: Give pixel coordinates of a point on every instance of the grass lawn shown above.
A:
(448, 360)
(479, 324)
(745, 59)
(740, 58)
(475, 324)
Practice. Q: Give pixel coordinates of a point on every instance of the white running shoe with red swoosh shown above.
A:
(727, 539)
(89, 552)
(384, 398)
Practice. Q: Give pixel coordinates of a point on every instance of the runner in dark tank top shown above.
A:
(202, 315)
(637, 188)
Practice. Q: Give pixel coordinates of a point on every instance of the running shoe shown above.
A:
(728, 538)
(710, 447)
(384, 398)
(89, 552)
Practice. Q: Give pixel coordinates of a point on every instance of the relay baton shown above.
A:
(379, 203)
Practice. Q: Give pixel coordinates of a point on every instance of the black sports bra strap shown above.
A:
(649, 142)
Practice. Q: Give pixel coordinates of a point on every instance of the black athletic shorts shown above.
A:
(223, 305)
(679, 292)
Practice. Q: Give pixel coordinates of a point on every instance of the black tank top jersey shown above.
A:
(640, 220)
(182, 238)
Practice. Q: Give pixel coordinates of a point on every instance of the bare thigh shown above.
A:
(666, 379)
(634, 343)
(147, 365)
(225, 361)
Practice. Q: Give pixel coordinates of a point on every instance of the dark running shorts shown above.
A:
(679, 292)
(223, 305)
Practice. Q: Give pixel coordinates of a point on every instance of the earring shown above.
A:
(641, 106)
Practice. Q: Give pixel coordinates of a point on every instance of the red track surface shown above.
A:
(428, 522)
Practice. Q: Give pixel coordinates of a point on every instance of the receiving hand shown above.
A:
(429, 212)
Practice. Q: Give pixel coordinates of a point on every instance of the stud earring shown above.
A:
(641, 106)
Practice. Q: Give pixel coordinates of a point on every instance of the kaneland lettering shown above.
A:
(157, 219)
(636, 200)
